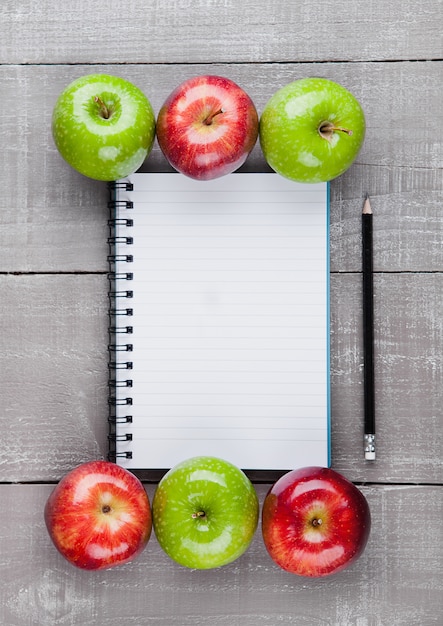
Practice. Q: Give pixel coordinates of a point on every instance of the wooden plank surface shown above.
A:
(54, 374)
(55, 351)
(187, 31)
(408, 337)
(54, 219)
(53, 314)
(397, 581)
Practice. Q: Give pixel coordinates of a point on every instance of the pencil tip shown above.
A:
(367, 209)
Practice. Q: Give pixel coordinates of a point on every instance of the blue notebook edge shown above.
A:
(328, 320)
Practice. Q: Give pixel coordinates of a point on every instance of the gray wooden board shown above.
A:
(397, 581)
(54, 219)
(408, 356)
(202, 31)
(53, 311)
(54, 374)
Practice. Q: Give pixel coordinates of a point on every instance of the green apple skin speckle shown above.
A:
(205, 513)
(291, 128)
(103, 126)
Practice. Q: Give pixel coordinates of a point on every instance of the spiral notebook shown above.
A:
(219, 332)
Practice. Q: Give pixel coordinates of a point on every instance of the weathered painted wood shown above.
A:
(186, 31)
(408, 353)
(53, 219)
(53, 357)
(398, 580)
(54, 374)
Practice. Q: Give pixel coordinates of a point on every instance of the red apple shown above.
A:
(315, 522)
(99, 516)
(207, 127)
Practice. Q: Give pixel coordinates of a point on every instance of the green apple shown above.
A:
(205, 512)
(311, 130)
(103, 126)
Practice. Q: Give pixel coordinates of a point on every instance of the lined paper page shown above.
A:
(230, 321)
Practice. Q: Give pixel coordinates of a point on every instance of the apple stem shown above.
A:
(198, 514)
(106, 509)
(103, 109)
(316, 522)
(208, 121)
(327, 129)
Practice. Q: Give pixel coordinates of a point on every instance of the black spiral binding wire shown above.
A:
(120, 327)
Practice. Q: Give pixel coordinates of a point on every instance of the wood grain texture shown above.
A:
(54, 390)
(408, 357)
(398, 580)
(54, 374)
(53, 230)
(53, 219)
(208, 31)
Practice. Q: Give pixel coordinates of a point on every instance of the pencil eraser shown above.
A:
(370, 455)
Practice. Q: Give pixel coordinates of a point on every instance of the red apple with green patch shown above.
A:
(99, 516)
(315, 522)
(207, 127)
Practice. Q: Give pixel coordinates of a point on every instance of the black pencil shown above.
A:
(368, 333)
